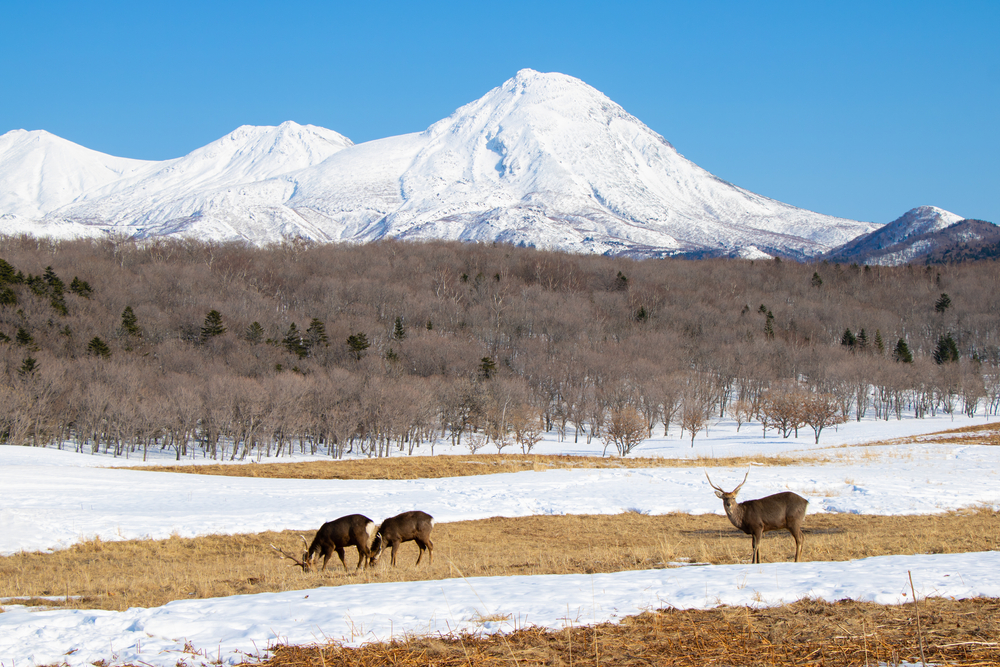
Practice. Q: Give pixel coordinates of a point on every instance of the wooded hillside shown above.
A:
(237, 349)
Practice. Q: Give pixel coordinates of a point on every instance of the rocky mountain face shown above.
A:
(543, 160)
(921, 234)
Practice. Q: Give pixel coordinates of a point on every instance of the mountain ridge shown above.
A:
(542, 160)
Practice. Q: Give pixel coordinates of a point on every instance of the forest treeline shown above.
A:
(241, 351)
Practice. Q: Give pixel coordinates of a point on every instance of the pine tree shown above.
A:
(130, 323)
(55, 284)
(642, 314)
(398, 331)
(946, 350)
(816, 280)
(862, 341)
(7, 273)
(358, 343)
(769, 325)
(98, 348)
(879, 344)
(254, 333)
(902, 353)
(213, 325)
(294, 342)
(848, 340)
(28, 367)
(621, 282)
(943, 303)
(316, 333)
(487, 367)
(24, 338)
(80, 288)
(8, 297)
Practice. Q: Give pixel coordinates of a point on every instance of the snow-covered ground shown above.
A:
(50, 499)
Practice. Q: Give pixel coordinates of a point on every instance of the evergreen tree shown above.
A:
(24, 338)
(55, 284)
(254, 333)
(816, 280)
(486, 368)
(942, 304)
(430, 325)
(769, 325)
(213, 325)
(316, 333)
(4, 338)
(358, 343)
(642, 314)
(28, 367)
(80, 288)
(391, 355)
(879, 343)
(7, 273)
(848, 340)
(946, 350)
(862, 341)
(98, 348)
(398, 331)
(621, 282)
(294, 342)
(902, 353)
(130, 323)
(8, 297)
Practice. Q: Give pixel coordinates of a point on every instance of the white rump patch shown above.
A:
(370, 528)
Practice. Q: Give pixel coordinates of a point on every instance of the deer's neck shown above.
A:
(735, 512)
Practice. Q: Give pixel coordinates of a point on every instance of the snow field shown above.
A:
(52, 499)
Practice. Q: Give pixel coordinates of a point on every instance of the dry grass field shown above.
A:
(809, 632)
(435, 467)
(145, 573)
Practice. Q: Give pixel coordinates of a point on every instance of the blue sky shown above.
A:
(857, 109)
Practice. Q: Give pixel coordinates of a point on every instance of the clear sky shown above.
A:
(857, 109)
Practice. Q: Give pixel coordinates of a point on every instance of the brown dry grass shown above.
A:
(963, 632)
(117, 575)
(433, 467)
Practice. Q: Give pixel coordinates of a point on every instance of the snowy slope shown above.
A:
(39, 172)
(547, 160)
(895, 242)
(542, 160)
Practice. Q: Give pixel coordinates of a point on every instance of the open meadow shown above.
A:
(560, 558)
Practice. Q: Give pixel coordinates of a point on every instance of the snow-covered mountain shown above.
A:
(918, 233)
(543, 160)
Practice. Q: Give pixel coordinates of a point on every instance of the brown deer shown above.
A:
(415, 525)
(351, 530)
(756, 517)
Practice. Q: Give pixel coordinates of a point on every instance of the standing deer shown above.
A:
(415, 525)
(756, 517)
(351, 530)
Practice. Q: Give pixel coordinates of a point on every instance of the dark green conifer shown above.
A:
(23, 337)
(902, 353)
(316, 333)
(130, 323)
(946, 351)
(294, 342)
(254, 333)
(487, 367)
(816, 280)
(28, 367)
(213, 325)
(358, 343)
(943, 303)
(398, 331)
(98, 348)
(848, 340)
(80, 288)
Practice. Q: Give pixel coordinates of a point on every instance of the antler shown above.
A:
(712, 485)
(284, 554)
(734, 491)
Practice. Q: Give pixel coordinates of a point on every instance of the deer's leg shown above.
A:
(422, 545)
(340, 552)
(757, 537)
(799, 541)
(326, 559)
(363, 555)
(392, 558)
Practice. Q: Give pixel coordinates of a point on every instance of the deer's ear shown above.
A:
(718, 493)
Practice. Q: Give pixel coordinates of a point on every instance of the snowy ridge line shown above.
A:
(542, 160)
(234, 627)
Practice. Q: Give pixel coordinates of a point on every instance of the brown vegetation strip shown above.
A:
(433, 467)
(146, 573)
(809, 632)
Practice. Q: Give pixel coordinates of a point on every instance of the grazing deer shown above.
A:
(415, 525)
(756, 517)
(351, 530)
